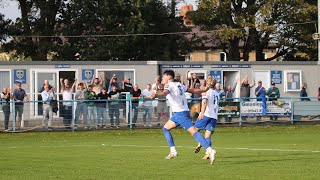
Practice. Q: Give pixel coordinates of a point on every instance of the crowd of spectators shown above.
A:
(95, 102)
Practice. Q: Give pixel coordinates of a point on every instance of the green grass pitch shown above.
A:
(287, 152)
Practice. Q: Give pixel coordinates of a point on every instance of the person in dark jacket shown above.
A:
(303, 92)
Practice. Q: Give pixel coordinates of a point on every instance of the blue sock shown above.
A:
(168, 136)
(200, 139)
(208, 140)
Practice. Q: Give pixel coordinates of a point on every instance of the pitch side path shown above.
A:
(282, 152)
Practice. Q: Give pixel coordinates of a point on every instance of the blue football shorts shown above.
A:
(182, 119)
(206, 123)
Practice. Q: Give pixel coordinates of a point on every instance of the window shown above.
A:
(223, 56)
(292, 81)
(4, 80)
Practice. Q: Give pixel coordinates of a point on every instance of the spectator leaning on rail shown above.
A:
(90, 97)
(261, 96)
(147, 105)
(66, 92)
(6, 96)
(81, 105)
(126, 87)
(135, 95)
(47, 96)
(19, 95)
(162, 108)
(114, 112)
(303, 92)
(245, 91)
(273, 95)
(102, 107)
(229, 92)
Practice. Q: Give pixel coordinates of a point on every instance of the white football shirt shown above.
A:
(176, 96)
(213, 99)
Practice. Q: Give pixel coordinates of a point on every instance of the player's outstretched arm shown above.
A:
(162, 95)
(203, 109)
(197, 91)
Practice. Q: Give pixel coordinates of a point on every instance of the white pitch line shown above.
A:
(145, 146)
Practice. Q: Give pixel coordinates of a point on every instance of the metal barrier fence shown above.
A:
(145, 113)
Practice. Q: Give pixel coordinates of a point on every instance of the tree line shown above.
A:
(132, 30)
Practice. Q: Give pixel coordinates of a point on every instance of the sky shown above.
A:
(11, 11)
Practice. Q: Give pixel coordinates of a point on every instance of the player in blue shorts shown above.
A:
(174, 92)
(209, 113)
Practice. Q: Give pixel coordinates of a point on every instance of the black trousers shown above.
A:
(6, 112)
(67, 115)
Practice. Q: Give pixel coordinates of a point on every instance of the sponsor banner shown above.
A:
(183, 66)
(276, 77)
(62, 66)
(274, 108)
(229, 109)
(87, 75)
(20, 75)
(231, 66)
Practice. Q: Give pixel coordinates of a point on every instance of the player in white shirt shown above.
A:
(209, 113)
(174, 92)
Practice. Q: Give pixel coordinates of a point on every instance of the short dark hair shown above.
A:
(18, 82)
(169, 73)
(90, 86)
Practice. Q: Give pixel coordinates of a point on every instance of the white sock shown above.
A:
(173, 149)
(209, 149)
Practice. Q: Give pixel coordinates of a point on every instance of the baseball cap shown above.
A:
(272, 83)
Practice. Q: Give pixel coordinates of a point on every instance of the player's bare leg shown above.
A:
(166, 131)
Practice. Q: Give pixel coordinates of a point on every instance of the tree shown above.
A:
(255, 25)
(118, 18)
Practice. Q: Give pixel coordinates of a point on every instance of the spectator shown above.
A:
(135, 95)
(147, 105)
(81, 105)
(97, 84)
(162, 108)
(66, 92)
(219, 91)
(157, 82)
(203, 84)
(19, 95)
(5, 98)
(319, 94)
(245, 91)
(102, 107)
(178, 79)
(197, 95)
(114, 106)
(193, 80)
(273, 94)
(90, 96)
(47, 96)
(303, 92)
(40, 110)
(229, 92)
(260, 92)
(113, 82)
(126, 87)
